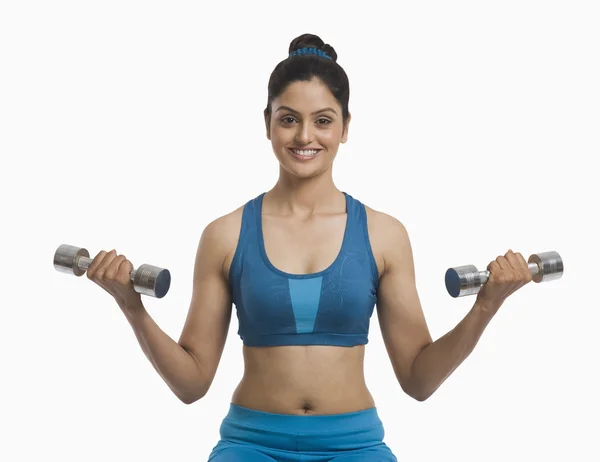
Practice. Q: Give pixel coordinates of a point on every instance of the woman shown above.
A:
(304, 264)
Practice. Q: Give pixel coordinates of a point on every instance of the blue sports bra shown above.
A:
(331, 307)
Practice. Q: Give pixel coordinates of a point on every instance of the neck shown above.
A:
(305, 195)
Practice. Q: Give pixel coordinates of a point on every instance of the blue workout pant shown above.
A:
(248, 435)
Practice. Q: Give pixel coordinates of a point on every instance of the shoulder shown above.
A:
(384, 224)
(388, 237)
(225, 227)
(222, 234)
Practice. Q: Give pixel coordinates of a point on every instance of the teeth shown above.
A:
(305, 152)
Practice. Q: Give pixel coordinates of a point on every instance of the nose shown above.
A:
(303, 134)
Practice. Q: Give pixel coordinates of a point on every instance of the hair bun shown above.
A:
(312, 41)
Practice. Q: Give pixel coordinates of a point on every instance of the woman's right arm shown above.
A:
(189, 366)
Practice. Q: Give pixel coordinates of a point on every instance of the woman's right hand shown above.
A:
(112, 272)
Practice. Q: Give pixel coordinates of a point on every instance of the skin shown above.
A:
(305, 203)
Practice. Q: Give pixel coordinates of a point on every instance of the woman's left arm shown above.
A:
(420, 364)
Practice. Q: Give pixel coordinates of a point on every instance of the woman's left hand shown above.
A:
(508, 274)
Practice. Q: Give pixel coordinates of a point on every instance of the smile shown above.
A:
(304, 154)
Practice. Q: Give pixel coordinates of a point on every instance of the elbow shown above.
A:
(417, 393)
(196, 389)
(193, 396)
(191, 399)
(420, 396)
(187, 400)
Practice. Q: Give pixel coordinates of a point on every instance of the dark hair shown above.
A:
(306, 67)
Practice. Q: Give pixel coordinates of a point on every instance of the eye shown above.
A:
(326, 121)
(287, 119)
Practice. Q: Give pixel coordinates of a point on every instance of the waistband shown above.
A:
(307, 424)
(288, 432)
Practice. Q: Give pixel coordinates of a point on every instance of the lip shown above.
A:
(304, 158)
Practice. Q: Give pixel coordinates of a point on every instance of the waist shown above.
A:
(308, 425)
(298, 437)
(333, 433)
(304, 380)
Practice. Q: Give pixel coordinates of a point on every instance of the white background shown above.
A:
(132, 125)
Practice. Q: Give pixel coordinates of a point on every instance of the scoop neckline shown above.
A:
(265, 257)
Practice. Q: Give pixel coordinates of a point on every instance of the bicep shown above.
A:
(207, 323)
(403, 326)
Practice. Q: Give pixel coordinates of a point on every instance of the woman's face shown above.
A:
(306, 128)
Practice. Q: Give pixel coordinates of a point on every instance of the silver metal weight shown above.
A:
(468, 280)
(147, 279)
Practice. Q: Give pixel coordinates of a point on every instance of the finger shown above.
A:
(124, 273)
(96, 262)
(522, 261)
(513, 261)
(506, 272)
(113, 268)
(518, 273)
(494, 269)
(525, 266)
(106, 261)
(503, 263)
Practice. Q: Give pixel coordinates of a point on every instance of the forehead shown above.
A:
(306, 95)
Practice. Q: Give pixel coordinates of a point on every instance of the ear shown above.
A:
(267, 124)
(345, 132)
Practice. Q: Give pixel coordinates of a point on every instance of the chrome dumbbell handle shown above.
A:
(147, 279)
(484, 276)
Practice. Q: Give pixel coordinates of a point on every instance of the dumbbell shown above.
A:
(467, 280)
(147, 279)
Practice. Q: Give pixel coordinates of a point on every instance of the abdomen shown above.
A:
(315, 379)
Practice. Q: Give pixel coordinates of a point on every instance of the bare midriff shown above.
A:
(307, 379)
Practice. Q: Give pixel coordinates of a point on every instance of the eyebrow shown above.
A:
(281, 108)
